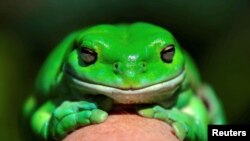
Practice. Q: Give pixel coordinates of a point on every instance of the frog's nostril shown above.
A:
(144, 67)
(116, 67)
(136, 68)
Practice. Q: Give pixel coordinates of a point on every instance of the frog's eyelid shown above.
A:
(87, 50)
(91, 44)
(158, 42)
(102, 43)
(77, 45)
(161, 43)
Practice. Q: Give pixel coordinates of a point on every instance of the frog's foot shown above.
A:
(71, 115)
(181, 123)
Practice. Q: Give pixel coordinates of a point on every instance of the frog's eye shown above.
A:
(87, 55)
(167, 53)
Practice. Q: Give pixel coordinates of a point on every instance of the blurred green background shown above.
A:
(216, 33)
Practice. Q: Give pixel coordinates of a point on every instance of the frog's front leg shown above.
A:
(54, 122)
(174, 117)
(188, 122)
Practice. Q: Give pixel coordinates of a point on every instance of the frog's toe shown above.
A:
(146, 112)
(182, 124)
(71, 115)
(180, 130)
(150, 111)
(59, 128)
(64, 126)
(68, 108)
(71, 122)
(171, 116)
(98, 116)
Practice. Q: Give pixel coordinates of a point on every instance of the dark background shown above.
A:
(215, 32)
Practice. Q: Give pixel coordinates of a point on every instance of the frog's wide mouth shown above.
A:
(165, 88)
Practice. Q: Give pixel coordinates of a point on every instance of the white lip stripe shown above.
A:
(164, 86)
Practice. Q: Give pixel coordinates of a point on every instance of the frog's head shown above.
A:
(131, 63)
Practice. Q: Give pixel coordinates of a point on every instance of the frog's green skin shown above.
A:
(129, 69)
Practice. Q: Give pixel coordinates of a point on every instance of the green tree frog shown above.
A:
(97, 68)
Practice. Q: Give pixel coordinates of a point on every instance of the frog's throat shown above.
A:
(144, 95)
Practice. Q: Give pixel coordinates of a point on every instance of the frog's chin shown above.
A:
(150, 94)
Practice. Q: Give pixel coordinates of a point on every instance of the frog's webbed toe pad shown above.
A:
(72, 115)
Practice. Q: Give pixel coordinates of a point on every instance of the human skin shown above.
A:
(142, 65)
(124, 127)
